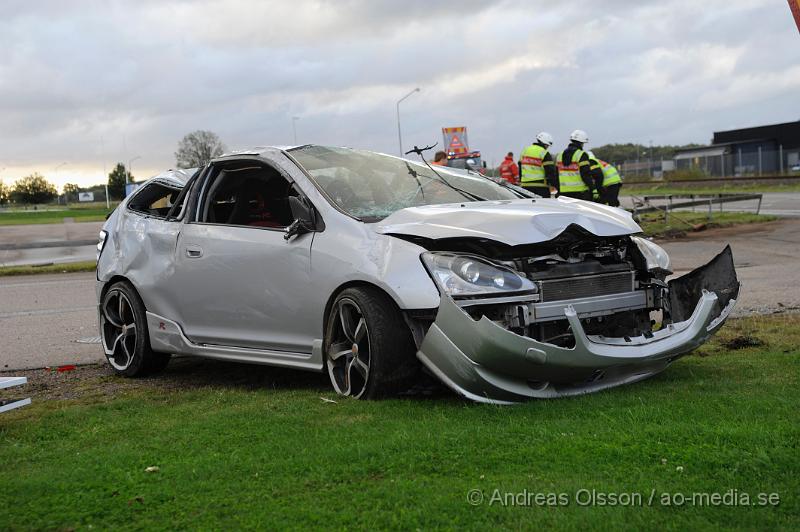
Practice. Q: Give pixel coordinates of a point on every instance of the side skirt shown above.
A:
(166, 336)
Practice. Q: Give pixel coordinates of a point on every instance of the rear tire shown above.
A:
(369, 350)
(124, 333)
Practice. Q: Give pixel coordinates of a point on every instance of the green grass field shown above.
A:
(257, 447)
(676, 188)
(67, 267)
(50, 214)
(682, 222)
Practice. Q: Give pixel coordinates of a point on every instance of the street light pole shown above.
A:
(55, 176)
(294, 128)
(130, 168)
(399, 134)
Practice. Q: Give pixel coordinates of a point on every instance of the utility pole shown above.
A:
(399, 134)
(105, 174)
(638, 149)
(55, 176)
(129, 176)
(294, 128)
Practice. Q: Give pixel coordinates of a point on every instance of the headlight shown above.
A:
(101, 243)
(654, 254)
(467, 275)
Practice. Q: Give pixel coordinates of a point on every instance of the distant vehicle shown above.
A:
(458, 152)
(795, 168)
(372, 267)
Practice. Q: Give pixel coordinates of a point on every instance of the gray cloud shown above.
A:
(138, 75)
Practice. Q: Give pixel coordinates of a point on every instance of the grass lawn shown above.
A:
(55, 216)
(682, 222)
(253, 447)
(677, 188)
(67, 267)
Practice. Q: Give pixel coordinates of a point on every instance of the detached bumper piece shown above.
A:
(487, 363)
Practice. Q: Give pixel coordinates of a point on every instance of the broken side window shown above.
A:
(155, 199)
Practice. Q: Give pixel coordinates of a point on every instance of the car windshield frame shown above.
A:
(370, 186)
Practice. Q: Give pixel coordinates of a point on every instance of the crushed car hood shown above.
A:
(511, 222)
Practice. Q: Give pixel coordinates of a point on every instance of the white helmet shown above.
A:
(545, 138)
(579, 135)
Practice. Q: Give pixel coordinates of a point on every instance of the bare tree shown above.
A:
(197, 148)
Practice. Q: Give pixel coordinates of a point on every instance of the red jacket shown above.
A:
(509, 170)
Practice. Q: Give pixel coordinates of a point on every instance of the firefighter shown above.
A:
(596, 171)
(537, 168)
(509, 170)
(612, 182)
(574, 168)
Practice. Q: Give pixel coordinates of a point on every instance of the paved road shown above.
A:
(42, 317)
(48, 243)
(766, 256)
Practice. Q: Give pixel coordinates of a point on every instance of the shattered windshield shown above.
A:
(371, 186)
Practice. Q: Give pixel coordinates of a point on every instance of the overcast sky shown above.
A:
(88, 83)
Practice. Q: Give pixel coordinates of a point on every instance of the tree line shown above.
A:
(194, 150)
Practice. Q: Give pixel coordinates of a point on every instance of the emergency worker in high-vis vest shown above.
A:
(574, 168)
(537, 169)
(612, 182)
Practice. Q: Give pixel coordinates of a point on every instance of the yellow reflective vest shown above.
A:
(610, 174)
(569, 173)
(532, 163)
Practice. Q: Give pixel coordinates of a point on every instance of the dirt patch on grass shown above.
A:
(98, 382)
(742, 341)
(722, 233)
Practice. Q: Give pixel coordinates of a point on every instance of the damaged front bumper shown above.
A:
(484, 362)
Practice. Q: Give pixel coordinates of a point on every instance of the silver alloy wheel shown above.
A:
(119, 331)
(349, 349)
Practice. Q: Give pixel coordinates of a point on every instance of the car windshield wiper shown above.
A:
(463, 192)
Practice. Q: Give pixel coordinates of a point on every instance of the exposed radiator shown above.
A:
(586, 286)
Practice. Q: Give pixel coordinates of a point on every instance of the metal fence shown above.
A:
(725, 161)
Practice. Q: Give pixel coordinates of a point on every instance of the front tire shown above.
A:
(369, 349)
(124, 333)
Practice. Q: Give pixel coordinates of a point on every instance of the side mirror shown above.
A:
(304, 219)
(301, 210)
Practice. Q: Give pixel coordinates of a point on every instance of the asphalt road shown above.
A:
(43, 318)
(48, 243)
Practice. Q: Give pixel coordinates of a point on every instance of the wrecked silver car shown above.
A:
(375, 269)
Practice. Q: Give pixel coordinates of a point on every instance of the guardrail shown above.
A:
(643, 205)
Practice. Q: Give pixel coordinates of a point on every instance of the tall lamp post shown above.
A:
(294, 128)
(399, 134)
(130, 168)
(55, 174)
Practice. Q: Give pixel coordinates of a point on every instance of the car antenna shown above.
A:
(419, 151)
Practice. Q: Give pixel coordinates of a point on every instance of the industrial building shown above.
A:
(758, 150)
